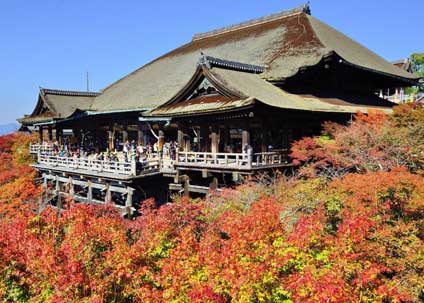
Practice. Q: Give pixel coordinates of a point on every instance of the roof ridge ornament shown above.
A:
(210, 62)
(297, 10)
(45, 91)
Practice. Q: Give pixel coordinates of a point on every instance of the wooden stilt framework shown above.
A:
(65, 187)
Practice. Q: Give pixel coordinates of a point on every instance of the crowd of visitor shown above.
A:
(128, 151)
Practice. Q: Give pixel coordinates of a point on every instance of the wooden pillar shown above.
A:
(204, 138)
(54, 134)
(245, 138)
(186, 188)
(140, 138)
(180, 139)
(215, 139)
(128, 202)
(90, 192)
(264, 143)
(124, 136)
(225, 137)
(214, 184)
(71, 188)
(108, 196)
(187, 139)
(41, 130)
(50, 131)
(111, 139)
(58, 197)
(133, 166)
(161, 140)
(57, 187)
(59, 136)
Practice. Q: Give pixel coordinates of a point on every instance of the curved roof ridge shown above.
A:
(297, 10)
(210, 61)
(303, 8)
(61, 92)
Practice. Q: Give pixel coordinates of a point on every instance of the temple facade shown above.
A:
(204, 116)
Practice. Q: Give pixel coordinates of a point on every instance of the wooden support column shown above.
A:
(215, 139)
(57, 187)
(111, 140)
(108, 196)
(54, 134)
(265, 139)
(40, 131)
(226, 137)
(71, 188)
(128, 202)
(187, 188)
(180, 139)
(187, 140)
(204, 138)
(245, 138)
(140, 137)
(59, 135)
(50, 132)
(161, 140)
(124, 136)
(58, 196)
(90, 192)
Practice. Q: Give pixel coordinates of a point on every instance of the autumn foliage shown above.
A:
(373, 142)
(17, 188)
(355, 238)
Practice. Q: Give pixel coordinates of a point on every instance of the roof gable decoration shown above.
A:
(205, 92)
(203, 82)
(210, 62)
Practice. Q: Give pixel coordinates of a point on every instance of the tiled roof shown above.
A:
(300, 9)
(59, 92)
(278, 46)
(234, 65)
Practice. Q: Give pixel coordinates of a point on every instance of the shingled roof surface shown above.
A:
(249, 88)
(283, 43)
(64, 103)
(60, 103)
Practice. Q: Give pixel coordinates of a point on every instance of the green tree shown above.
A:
(417, 63)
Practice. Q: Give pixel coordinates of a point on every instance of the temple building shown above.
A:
(204, 116)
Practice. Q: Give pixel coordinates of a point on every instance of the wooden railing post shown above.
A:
(133, 167)
(128, 202)
(71, 187)
(249, 158)
(90, 192)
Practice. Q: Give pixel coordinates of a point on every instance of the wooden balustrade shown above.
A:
(116, 167)
(35, 148)
(231, 160)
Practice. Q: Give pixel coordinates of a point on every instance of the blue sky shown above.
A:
(52, 43)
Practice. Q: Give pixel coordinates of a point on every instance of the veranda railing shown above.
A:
(116, 167)
(231, 160)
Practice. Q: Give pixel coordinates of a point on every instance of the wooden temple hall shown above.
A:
(201, 117)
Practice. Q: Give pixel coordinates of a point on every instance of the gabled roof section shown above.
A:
(56, 104)
(404, 64)
(241, 89)
(64, 102)
(282, 43)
